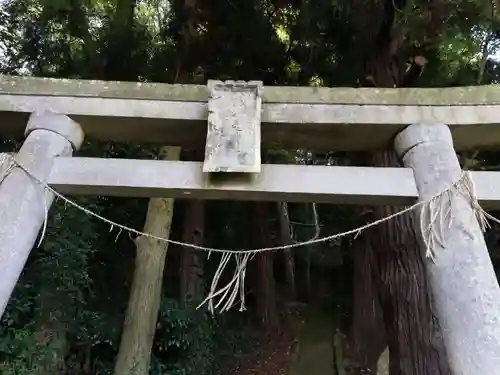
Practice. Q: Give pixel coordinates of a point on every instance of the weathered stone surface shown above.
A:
(463, 281)
(319, 119)
(23, 201)
(469, 95)
(233, 134)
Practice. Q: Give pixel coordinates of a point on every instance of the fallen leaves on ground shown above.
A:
(273, 353)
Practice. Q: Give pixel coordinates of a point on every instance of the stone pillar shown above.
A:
(464, 285)
(23, 201)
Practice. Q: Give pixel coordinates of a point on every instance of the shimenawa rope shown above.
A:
(435, 216)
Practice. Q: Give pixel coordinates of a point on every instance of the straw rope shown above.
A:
(435, 217)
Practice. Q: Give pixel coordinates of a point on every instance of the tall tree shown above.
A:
(265, 284)
(286, 239)
(392, 253)
(139, 328)
(306, 43)
(192, 283)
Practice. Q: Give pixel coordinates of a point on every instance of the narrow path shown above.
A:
(271, 352)
(315, 352)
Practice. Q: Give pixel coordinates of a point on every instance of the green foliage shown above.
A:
(81, 273)
(57, 278)
(16, 347)
(185, 342)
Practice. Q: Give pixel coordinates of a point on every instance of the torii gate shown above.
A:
(60, 112)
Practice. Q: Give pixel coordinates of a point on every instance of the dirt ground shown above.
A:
(304, 345)
(273, 353)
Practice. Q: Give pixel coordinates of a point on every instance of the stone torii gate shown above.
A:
(56, 114)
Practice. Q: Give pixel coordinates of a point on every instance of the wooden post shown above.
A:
(465, 289)
(23, 201)
(233, 134)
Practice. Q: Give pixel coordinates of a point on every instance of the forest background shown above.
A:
(68, 311)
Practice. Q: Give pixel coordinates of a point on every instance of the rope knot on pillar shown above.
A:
(438, 214)
(7, 163)
(464, 286)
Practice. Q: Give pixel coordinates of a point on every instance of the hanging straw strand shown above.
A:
(436, 215)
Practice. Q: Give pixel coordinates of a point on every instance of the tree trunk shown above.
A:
(415, 343)
(134, 354)
(80, 28)
(188, 33)
(367, 333)
(286, 239)
(266, 289)
(414, 339)
(123, 17)
(266, 295)
(192, 263)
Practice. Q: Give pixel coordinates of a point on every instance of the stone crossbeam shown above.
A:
(321, 119)
(291, 183)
